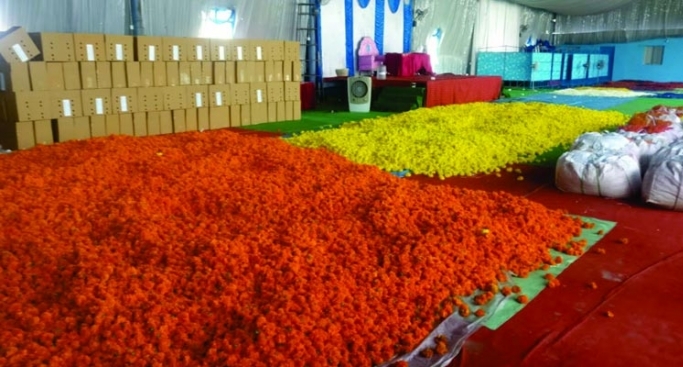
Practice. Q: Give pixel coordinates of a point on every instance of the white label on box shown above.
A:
(239, 53)
(119, 52)
(152, 53)
(66, 107)
(259, 53)
(176, 53)
(259, 96)
(221, 53)
(90, 52)
(99, 106)
(219, 99)
(198, 99)
(19, 52)
(200, 52)
(123, 101)
(3, 87)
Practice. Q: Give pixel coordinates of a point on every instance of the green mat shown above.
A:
(535, 283)
(315, 120)
(644, 104)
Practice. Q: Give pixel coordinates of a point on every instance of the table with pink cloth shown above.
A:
(408, 64)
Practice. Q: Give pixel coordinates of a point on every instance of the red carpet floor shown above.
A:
(638, 282)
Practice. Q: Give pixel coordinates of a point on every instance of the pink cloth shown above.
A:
(408, 64)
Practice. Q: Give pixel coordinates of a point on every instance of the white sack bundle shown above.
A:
(663, 183)
(612, 142)
(649, 144)
(605, 174)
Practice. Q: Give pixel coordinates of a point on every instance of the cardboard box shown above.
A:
(218, 72)
(241, 94)
(281, 111)
(230, 73)
(239, 50)
(258, 93)
(174, 49)
(66, 103)
(55, 46)
(15, 77)
(191, 119)
(220, 95)
(198, 49)
(184, 73)
(27, 106)
(153, 123)
(17, 135)
(151, 99)
(43, 132)
(98, 126)
(124, 100)
(219, 117)
(289, 111)
(276, 50)
(133, 76)
(126, 124)
(88, 72)
(17, 46)
(287, 70)
(89, 47)
(207, 73)
(172, 74)
(203, 119)
(96, 102)
(244, 71)
(175, 98)
(72, 75)
(259, 72)
(72, 128)
(292, 91)
(148, 48)
(118, 75)
(103, 74)
(258, 50)
(221, 50)
(297, 110)
(38, 72)
(269, 70)
(119, 48)
(179, 119)
(292, 50)
(112, 124)
(259, 113)
(276, 92)
(55, 76)
(139, 124)
(245, 115)
(272, 111)
(159, 68)
(235, 116)
(198, 96)
(296, 71)
(278, 74)
(146, 74)
(166, 122)
(196, 76)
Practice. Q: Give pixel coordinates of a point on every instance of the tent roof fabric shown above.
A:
(574, 7)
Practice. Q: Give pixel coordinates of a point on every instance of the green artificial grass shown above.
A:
(517, 92)
(315, 120)
(644, 104)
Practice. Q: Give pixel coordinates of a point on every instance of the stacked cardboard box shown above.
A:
(60, 87)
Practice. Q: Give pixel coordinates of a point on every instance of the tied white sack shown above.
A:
(602, 142)
(663, 184)
(649, 144)
(607, 174)
(672, 150)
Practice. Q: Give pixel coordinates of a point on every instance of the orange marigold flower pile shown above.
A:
(215, 249)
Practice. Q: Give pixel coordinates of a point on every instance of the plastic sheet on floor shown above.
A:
(594, 103)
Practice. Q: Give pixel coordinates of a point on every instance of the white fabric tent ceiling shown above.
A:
(574, 7)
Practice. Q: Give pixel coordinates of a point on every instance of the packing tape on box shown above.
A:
(66, 108)
(198, 99)
(259, 53)
(90, 52)
(123, 101)
(240, 53)
(19, 52)
(99, 106)
(200, 52)
(176, 53)
(119, 52)
(219, 99)
(221, 53)
(259, 96)
(152, 53)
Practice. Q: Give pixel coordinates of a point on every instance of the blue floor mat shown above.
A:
(669, 95)
(594, 103)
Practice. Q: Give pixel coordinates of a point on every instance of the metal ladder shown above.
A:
(307, 32)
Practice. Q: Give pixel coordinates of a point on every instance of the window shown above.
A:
(654, 55)
(433, 43)
(218, 23)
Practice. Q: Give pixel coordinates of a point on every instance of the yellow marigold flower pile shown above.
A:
(460, 140)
